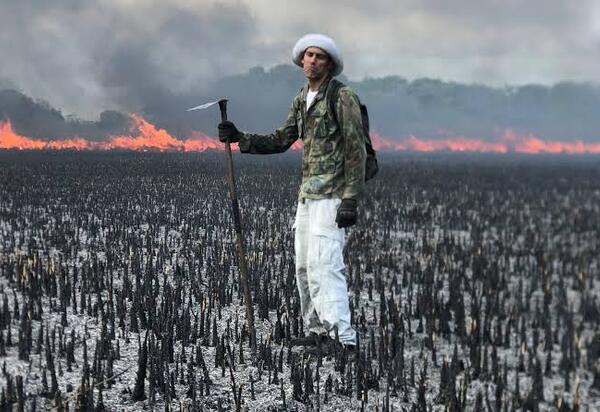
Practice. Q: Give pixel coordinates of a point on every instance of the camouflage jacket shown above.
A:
(333, 163)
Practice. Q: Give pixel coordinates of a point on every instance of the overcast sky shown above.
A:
(87, 56)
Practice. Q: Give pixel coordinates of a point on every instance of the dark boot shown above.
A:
(329, 346)
(312, 339)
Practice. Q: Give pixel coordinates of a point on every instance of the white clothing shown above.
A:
(320, 269)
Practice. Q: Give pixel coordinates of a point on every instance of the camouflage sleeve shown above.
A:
(350, 120)
(277, 142)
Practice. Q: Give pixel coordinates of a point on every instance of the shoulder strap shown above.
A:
(332, 95)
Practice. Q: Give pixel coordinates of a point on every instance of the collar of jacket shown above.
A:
(320, 94)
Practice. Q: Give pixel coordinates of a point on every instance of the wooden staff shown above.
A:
(241, 250)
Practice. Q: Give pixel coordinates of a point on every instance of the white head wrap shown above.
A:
(322, 42)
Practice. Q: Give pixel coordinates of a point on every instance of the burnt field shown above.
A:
(474, 284)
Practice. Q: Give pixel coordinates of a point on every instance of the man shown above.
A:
(333, 175)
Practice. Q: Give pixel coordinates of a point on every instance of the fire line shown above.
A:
(147, 137)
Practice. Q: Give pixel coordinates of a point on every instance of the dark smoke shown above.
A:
(38, 119)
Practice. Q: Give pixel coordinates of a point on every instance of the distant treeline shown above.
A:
(260, 99)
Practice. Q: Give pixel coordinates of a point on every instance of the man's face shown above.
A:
(316, 63)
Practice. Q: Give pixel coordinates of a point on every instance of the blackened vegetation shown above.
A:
(474, 286)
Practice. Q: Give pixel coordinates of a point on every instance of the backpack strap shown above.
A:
(332, 95)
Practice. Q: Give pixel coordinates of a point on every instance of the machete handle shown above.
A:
(241, 252)
(223, 108)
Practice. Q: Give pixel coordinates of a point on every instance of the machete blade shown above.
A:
(202, 106)
(205, 105)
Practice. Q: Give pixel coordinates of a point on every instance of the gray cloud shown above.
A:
(90, 56)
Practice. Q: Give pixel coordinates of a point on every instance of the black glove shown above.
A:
(346, 213)
(228, 132)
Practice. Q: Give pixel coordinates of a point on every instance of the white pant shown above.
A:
(320, 270)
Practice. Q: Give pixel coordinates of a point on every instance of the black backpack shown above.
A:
(371, 167)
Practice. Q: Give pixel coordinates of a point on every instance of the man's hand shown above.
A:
(228, 132)
(346, 213)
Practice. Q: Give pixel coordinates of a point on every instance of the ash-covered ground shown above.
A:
(473, 283)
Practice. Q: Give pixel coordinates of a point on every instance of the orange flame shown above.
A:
(509, 142)
(146, 136)
(11, 140)
(456, 144)
(530, 144)
(199, 142)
